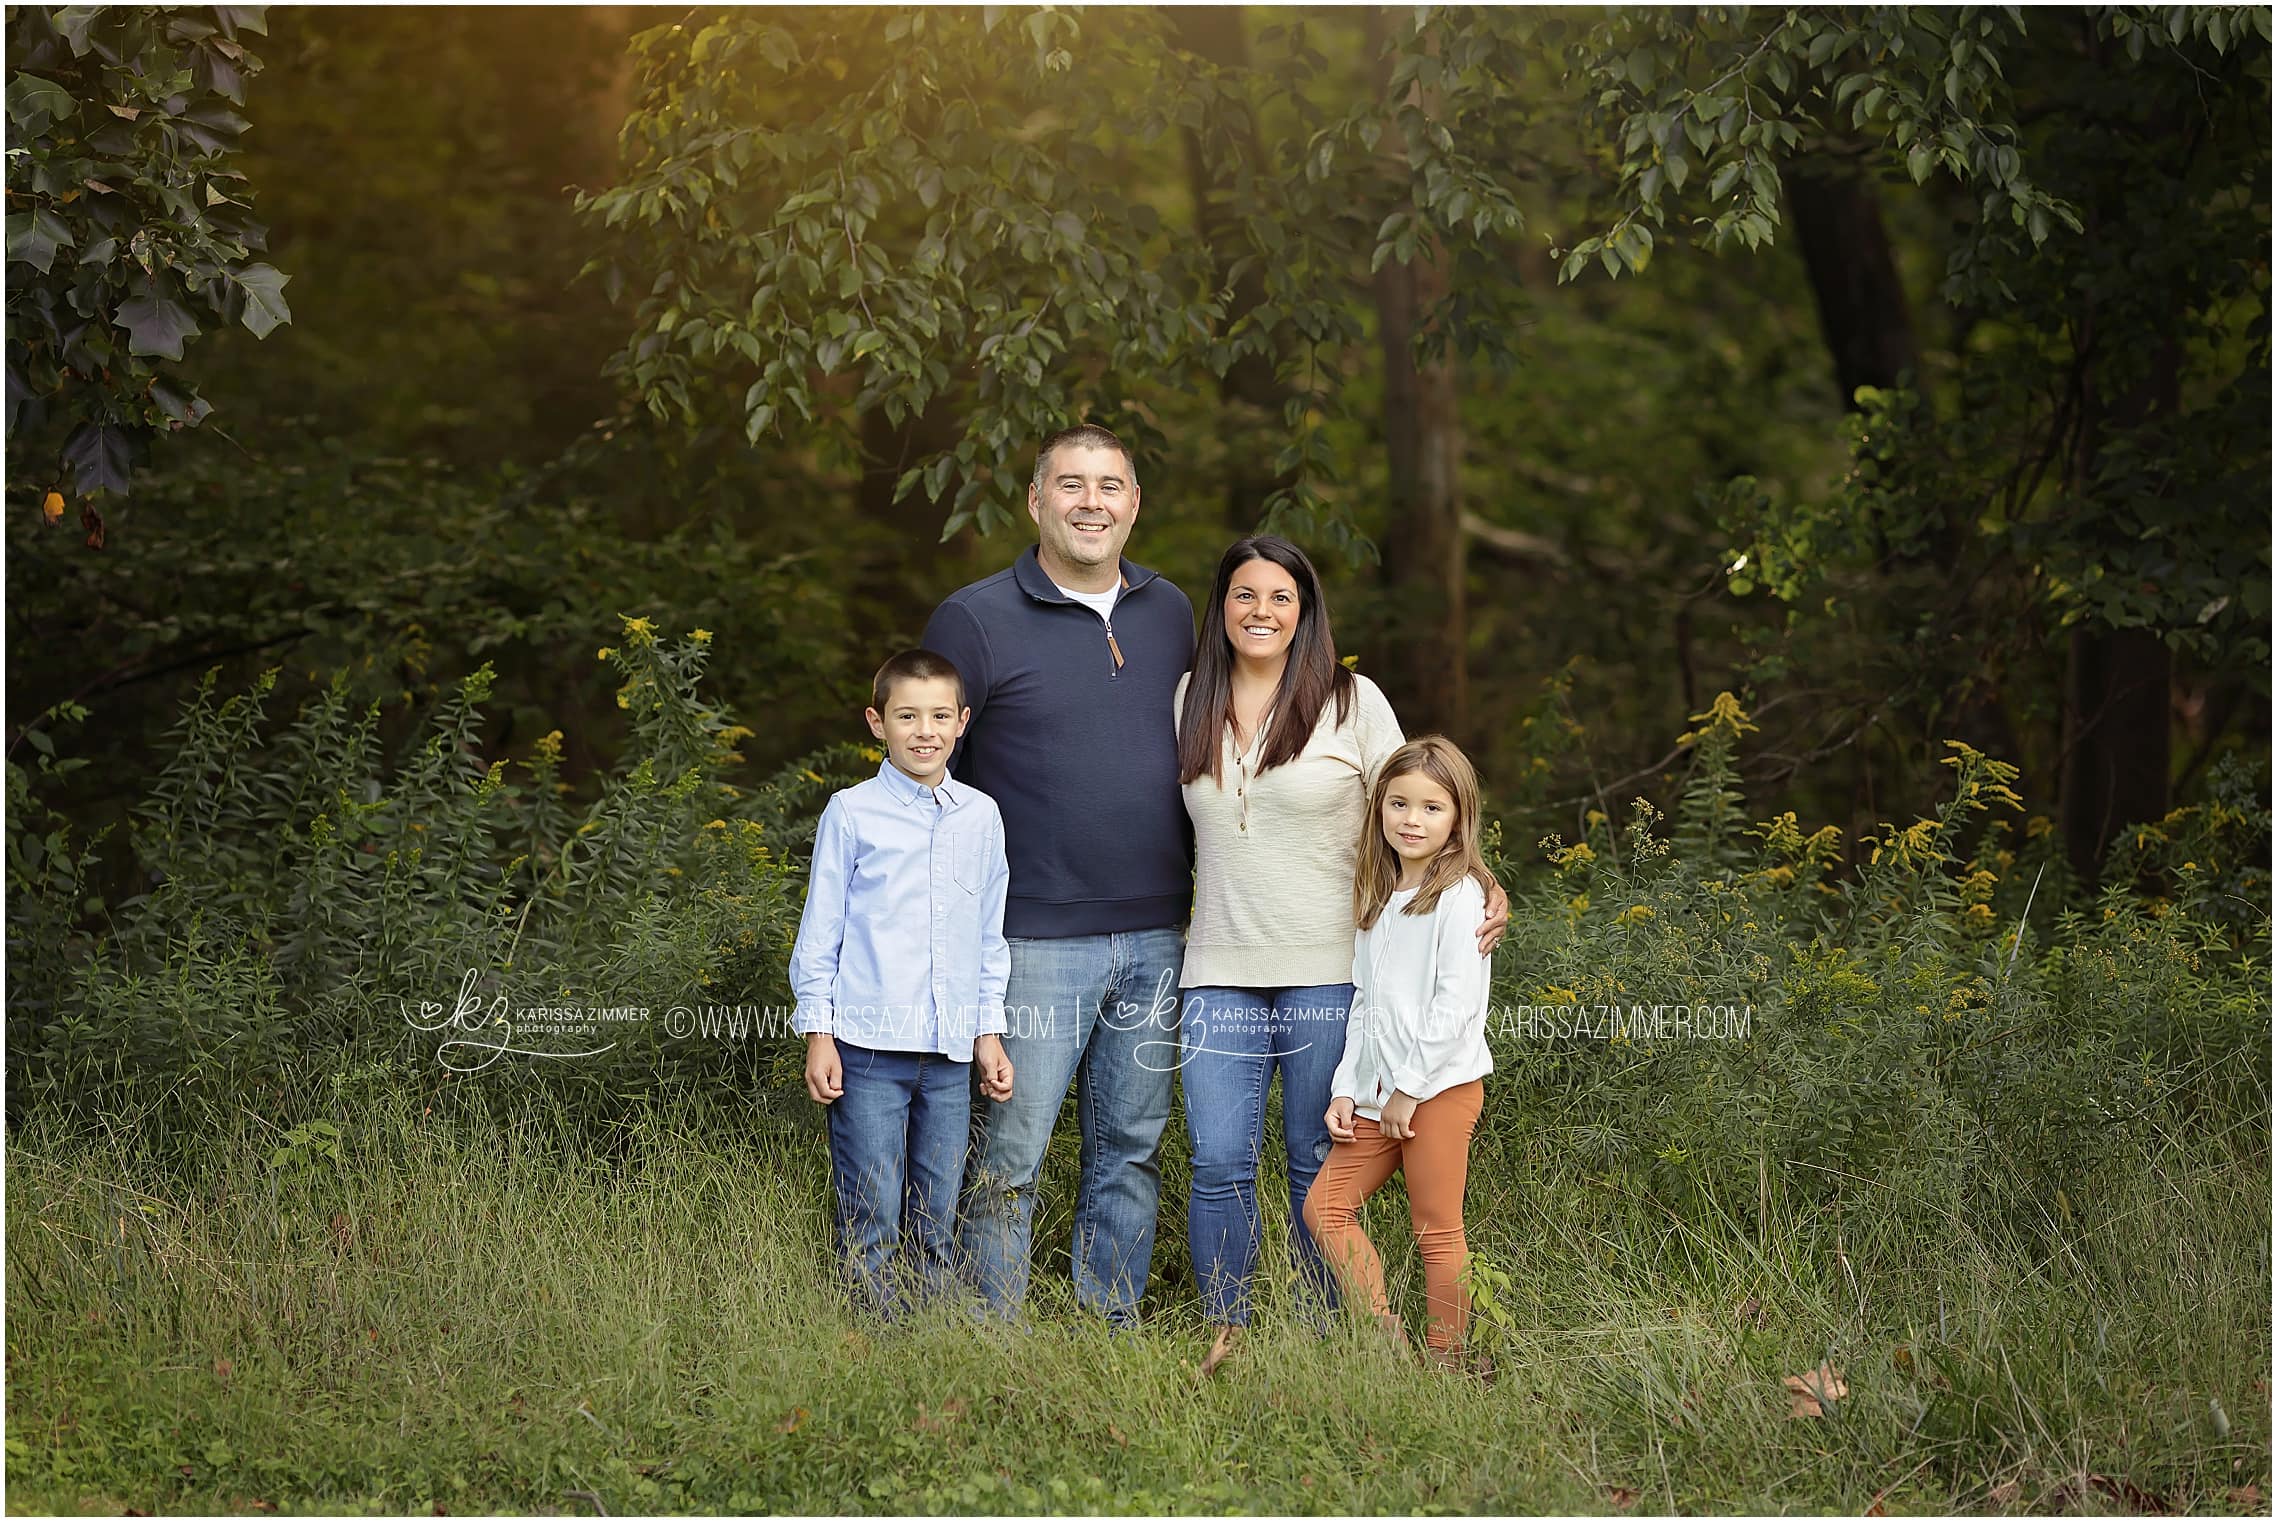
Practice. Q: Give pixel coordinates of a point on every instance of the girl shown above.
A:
(1406, 1095)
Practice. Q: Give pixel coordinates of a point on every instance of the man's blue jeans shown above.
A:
(1101, 1012)
(1234, 1039)
(897, 1152)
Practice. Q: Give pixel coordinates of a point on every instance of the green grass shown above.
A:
(463, 1313)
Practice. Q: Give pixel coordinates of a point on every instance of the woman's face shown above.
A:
(1261, 612)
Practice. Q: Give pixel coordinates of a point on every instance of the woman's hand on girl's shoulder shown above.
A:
(1497, 920)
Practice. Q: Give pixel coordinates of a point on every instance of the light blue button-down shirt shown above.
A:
(902, 944)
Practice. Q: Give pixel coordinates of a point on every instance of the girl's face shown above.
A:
(1418, 817)
(1261, 611)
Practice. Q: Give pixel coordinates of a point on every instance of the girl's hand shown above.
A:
(1339, 1119)
(1399, 1116)
(1497, 921)
(825, 1076)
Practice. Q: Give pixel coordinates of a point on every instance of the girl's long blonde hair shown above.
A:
(1436, 758)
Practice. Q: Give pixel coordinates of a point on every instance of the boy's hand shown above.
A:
(825, 1078)
(995, 1067)
(1497, 921)
(1339, 1119)
(1399, 1116)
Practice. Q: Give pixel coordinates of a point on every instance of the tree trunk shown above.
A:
(1423, 536)
(1423, 544)
(2118, 683)
(1862, 310)
(1251, 396)
(2118, 752)
(1867, 325)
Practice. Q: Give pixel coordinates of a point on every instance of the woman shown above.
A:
(1277, 745)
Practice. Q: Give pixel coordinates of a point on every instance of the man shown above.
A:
(1071, 657)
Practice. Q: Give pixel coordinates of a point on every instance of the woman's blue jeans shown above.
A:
(1233, 1040)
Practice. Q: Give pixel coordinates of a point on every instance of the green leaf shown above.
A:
(156, 325)
(34, 102)
(73, 22)
(100, 456)
(264, 288)
(34, 236)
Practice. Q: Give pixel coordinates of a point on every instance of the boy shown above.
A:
(899, 970)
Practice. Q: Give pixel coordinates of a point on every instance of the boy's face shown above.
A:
(920, 726)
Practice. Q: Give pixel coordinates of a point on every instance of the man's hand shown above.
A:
(1497, 921)
(995, 1067)
(1339, 1118)
(825, 1077)
(1399, 1116)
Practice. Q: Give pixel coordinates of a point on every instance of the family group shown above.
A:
(1101, 854)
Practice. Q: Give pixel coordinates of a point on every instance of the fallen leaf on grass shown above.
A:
(2005, 1492)
(1902, 1357)
(264, 1505)
(792, 1422)
(1121, 1439)
(1622, 1496)
(2247, 1496)
(1811, 1393)
(222, 1367)
(2126, 1492)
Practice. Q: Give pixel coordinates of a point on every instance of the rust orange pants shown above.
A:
(1436, 1160)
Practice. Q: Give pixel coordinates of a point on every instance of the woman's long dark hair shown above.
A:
(1310, 679)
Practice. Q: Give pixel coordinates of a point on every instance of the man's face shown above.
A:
(1084, 512)
(920, 726)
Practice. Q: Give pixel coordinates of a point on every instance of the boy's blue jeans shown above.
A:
(1234, 1039)
(897, 1152)
(1100, 1012)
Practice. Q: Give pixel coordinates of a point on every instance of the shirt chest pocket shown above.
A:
(969, 860)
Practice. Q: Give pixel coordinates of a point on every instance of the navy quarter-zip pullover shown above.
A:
(1074, 736)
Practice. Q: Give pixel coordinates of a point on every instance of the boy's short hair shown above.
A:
(914, 666)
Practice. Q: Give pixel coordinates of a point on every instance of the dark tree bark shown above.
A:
(2118, 683)
(1424, 544)
(1867, 324)
(1423, 540)
(1251, 395)
(1862, 310)
(2118, 754)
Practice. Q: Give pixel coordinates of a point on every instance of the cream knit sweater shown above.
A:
(1274, 852)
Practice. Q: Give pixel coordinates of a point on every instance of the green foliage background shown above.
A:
(512, 608)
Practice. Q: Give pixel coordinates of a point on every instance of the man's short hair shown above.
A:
(913, 666)
(1083, 436)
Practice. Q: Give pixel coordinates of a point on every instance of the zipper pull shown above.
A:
(1114, 649)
